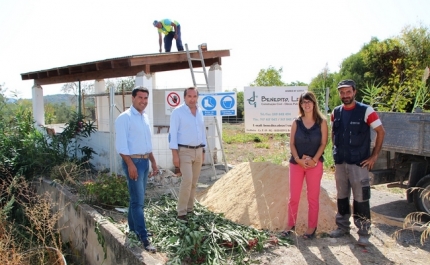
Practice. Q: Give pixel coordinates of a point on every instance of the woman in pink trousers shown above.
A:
(308, 139)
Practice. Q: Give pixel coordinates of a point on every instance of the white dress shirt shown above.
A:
(133, 133)
(185, 128)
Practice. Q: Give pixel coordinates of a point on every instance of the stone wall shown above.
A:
(79, 223)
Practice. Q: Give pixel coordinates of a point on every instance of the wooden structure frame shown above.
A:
(123, 66)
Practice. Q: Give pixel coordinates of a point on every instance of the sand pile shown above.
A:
(256, 194)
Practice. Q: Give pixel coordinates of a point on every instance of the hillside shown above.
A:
(67, 99)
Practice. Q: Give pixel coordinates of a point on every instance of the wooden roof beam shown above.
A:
(120, 72)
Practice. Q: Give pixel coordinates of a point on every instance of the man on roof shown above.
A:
(172, 30)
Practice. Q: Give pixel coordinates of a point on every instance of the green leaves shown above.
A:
(207, 238)
(395, 65)
(109, 190)
(371, 95)
(269, 77)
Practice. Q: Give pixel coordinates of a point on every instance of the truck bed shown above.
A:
(407, 133)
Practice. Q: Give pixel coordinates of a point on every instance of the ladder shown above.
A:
(206, 86)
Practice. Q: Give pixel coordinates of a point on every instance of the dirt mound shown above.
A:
(256, 194)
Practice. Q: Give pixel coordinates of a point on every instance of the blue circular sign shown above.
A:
(208, 103)
(227, 102)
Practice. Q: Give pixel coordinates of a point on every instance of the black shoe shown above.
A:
(149, 247)
(289, 232)
(182, 218)
(363, 240)
(310, 236)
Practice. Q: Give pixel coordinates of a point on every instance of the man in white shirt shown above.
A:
(187, 139)
(133, 143)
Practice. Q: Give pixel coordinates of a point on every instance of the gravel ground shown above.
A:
(388, 212)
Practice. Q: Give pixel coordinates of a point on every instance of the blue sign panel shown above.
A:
(227, 102)
(208, 103)
(221, 103)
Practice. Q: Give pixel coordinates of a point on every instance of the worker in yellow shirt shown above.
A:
(171, 30)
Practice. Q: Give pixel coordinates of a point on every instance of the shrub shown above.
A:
(70, 173)
(108, 190)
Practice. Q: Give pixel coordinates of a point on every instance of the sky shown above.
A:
(302, 36)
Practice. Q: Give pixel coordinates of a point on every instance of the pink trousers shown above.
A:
(313, 183)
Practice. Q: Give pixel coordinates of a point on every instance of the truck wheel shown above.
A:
(422, 195)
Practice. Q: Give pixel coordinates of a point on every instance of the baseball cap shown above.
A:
(155, 22)
(346, 83)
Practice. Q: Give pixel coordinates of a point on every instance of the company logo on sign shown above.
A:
(251, 100)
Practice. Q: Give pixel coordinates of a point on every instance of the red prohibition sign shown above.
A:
(173, 99)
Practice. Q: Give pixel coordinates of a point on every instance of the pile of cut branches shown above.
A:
(206, 238)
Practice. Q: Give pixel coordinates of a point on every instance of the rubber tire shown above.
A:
(423, 183)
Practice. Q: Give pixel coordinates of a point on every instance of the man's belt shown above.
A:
(145, 156)
(190, 146)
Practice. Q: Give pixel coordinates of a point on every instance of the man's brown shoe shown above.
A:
(182, 217)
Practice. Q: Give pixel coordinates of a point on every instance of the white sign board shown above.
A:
(172, 100)
(218, 104)
(271, 109)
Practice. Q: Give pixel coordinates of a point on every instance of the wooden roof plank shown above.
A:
(124, 66)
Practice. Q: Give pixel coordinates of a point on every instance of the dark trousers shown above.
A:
(169, 38)
(136, 189)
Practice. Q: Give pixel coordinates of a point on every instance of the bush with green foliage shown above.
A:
(107, 190)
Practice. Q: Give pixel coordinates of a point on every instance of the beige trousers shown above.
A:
(190, 163)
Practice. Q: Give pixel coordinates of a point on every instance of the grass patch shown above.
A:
(242, 138)
(395, 190)
(276, 159)
(328, 156)
(262, 145)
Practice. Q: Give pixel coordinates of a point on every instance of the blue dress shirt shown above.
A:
(185, 128)
(133, 133)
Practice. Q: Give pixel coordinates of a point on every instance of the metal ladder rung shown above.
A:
(206, 86)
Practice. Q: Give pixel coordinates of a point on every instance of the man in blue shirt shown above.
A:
(166, 27)
(133, 143)
(187, 139)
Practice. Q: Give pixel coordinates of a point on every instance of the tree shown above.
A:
(416, 42)
(297, 83)
(120, 84)
(269, 77)
(396, 65)
(318, 85)
(240, 106)
(73, 88)
(63, 113)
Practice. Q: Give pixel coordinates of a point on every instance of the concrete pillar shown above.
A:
(38, 105)
(215, 78)
(147, 81)
(215, 85)
(102, 104)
